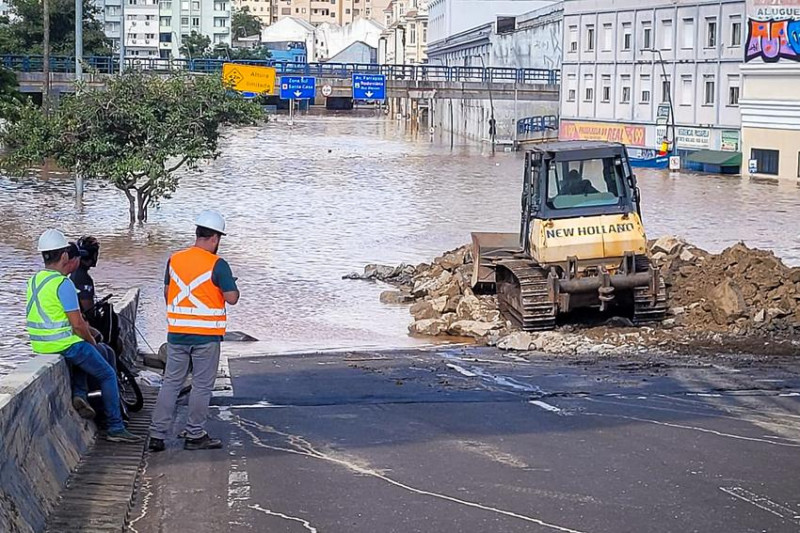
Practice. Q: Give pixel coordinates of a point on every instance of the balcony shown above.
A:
(221, 30)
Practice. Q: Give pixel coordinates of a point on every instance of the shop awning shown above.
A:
(716, 158)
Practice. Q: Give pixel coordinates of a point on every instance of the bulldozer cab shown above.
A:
(576, 179)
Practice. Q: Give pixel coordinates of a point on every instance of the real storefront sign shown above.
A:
(600, 131)
(729, 141)
(692, 138)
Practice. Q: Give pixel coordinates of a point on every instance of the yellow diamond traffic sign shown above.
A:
(249, 78)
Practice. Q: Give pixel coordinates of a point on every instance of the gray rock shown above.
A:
(428, 326)
(668, 244)
(727, 303)
(238, 336)
(517, 341)
(396, 297)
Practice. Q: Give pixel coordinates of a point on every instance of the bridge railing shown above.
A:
(424, 72)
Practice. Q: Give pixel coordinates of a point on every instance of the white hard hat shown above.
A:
(52, 239)
(211, 220)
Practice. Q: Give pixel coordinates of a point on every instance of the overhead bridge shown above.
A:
(402, 81)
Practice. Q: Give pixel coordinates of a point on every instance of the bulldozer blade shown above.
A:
(487, 249)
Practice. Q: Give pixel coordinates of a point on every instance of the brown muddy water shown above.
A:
(308, 204)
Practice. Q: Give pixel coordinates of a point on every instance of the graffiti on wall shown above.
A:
(773, 40)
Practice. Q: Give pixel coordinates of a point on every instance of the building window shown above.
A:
(184, 21)
(666, 90)
(687, 94)
(625, 97)
(195, 21)
(590, 38)
(412, 34)
(166, 21)
(196, 6)
(736, 31)
(733, 91)
(588, 83)
(573, 39)
(645, 89)
(709, 90)
(711, 33)
(606, 96)
(766, 161)
(687, 30)
(647, 36)
(571, 89)
(220, 22)
(185, 5)
(608, 37)
(666, 35)
(627, 36)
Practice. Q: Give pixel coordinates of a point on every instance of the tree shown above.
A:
(135, 134)
(24, 32)
(224, 51)
(244, 24)
(195, 45)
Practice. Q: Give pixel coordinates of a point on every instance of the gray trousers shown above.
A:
(205, 360)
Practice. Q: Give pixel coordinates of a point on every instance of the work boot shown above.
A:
(123, 436)
(81, 405)
(157, 445)
(203, 443)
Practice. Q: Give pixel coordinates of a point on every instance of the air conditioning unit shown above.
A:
(133, 23)
(147, 23)
(147, 41)
(133, 41)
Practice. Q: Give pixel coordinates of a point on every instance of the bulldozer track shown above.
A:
(646, 308)
(523, 295)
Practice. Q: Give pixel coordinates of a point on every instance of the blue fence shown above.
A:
(537, 124)
(110, 65)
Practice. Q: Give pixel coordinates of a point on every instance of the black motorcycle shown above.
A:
(102, 317)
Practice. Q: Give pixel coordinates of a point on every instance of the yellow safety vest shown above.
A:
(48, 325)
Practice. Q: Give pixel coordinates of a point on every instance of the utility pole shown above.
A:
(78, 40)
(46, 56)
(122, 38)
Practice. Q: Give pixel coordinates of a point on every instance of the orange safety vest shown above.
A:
(195, 306)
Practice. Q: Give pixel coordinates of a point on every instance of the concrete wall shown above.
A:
(41, 437)
(471, 118)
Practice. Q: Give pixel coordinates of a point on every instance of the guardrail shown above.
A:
(110, 65)
(537, 124)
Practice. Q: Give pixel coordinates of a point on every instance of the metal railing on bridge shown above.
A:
(424, 72)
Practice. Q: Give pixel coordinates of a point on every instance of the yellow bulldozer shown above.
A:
(581, 242)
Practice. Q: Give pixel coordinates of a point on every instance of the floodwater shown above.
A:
(309, 203)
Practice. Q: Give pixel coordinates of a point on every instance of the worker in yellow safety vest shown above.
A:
(198, 284)
(56, 326)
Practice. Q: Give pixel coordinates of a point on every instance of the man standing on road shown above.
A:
(197, 285)
(55, 325)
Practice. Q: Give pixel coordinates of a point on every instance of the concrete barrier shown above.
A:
(41, 437)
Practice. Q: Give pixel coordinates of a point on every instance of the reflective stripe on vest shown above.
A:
(195, 305)
(47, 322)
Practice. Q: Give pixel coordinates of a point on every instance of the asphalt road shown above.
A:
(478, 441)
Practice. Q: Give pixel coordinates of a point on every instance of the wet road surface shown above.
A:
(310, 204)
(448, 440)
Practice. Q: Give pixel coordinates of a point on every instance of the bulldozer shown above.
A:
(581, 242)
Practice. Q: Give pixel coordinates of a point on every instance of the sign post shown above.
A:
(297, 88)
(369, 87)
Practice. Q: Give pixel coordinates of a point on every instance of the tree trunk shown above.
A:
(131, 206)
(46, 58)
(143, 201)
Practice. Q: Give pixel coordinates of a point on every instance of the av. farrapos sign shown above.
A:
(773, 31)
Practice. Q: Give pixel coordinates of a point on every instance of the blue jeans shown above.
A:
(87, 361)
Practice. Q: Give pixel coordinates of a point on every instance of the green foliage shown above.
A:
(195, 45)
(223, 51)
(9, 92)
(244, 24)
(24, 33)
(135, 134)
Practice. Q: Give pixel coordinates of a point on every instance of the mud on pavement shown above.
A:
(740, 300)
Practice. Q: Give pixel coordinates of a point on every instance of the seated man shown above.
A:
(55, 325)
(574, 184)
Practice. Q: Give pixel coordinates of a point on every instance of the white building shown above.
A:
(179, 18)
(141, 29)
(770, 102)
(613, 86)
(449, 17)
(341, 12)
(330, 39)
(291, 29)
(405, 39)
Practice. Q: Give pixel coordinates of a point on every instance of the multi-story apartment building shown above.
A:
(264, 10)
(179, 18)
(404, 41)
(141, 29)
(340, 12)
(770, 102)
(623, 64)
(111, 19)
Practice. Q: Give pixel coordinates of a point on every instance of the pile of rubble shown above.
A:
(739, 292)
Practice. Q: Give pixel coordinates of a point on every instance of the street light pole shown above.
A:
(671, 119)
(78, 40)
(122, 37)
(492, 122)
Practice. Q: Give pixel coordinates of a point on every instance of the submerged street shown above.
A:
(454, 440)
(310, 203)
